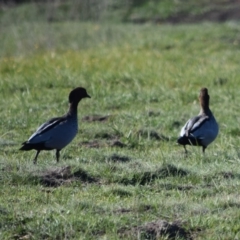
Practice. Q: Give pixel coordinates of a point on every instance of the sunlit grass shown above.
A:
(147, 78)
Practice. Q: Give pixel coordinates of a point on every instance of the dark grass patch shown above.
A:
(122, 210)
(118, 158)
(151, 134)
(16, 222)
(157, 230)
(229, 204)
(234, 132)
(117, 143)
(59, 176)
(220, 81)
(110, 135)
(220, 175)
(148, 177)
(145, 207)
(153, 114)
(214, 13)
(170, 186)
(3, 211)
(96, 118)
(229, 175)
(176, 125)
(120, 192)
(92, 144)
(101, 143)
(24, 235)
(141, 208)
(9, 168)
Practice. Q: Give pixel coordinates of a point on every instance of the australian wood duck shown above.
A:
(202, 129)
(58, 132)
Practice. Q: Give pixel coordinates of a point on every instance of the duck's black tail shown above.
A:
(189, 141)
(26, 146)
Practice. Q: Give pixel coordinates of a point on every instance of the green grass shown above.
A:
(108, 10)
(147, 78)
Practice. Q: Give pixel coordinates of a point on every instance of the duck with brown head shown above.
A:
(202, 129)
(58, 132)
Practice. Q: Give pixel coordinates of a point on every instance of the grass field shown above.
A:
(123, 177)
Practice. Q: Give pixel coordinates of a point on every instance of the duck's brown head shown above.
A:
(204, 99)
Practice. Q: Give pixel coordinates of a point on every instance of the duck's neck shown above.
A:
(204, 103)
(72, 111)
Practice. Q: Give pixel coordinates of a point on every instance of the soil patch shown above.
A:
(156, 230)
(58, 176)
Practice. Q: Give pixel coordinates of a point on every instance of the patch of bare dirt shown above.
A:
(56, 177)
(96, 118)
(156, 230)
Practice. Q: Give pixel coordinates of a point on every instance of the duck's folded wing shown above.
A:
(43, 133)
(195, 123)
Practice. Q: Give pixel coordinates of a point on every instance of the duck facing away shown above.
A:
(202, 129)
(58, 132)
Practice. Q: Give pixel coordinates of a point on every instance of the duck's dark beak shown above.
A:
(88, 96)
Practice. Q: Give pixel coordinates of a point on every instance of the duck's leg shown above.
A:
(203, 149)
(185, 149)
(35, 159)
(57, 154)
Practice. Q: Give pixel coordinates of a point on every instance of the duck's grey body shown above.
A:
(56, 133)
